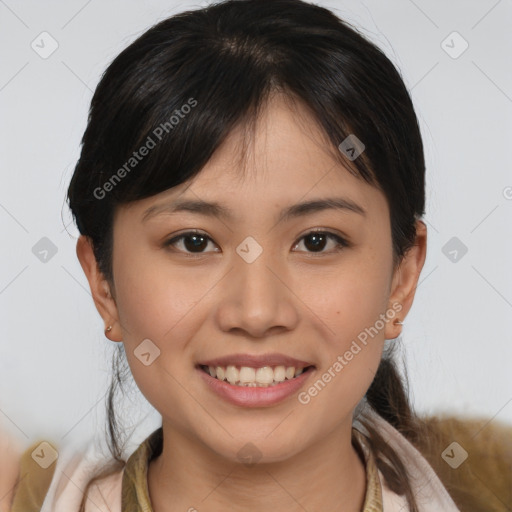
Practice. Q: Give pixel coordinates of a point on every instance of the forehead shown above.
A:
(287, 159)
(285, 138)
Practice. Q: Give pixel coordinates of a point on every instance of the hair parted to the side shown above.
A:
(229, 58)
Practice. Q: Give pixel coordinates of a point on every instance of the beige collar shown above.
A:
(127, 490)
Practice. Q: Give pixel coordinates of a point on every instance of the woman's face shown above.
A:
(258, 284)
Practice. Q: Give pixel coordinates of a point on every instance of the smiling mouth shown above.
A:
(247, 376)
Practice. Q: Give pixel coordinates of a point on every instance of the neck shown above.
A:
(186, 476)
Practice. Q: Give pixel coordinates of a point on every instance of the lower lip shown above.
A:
(255, 396)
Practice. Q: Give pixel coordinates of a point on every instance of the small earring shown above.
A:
(108, 329)
(398, 322)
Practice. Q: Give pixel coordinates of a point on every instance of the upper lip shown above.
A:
(256, 361)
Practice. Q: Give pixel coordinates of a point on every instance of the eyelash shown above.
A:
(341, 242)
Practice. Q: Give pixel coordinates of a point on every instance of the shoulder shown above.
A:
(30, 474)
(473, 458)
(54, 478)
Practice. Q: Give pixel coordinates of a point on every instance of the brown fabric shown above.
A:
(482, 483)
(373, 497)
(135, 493)
(33, 480)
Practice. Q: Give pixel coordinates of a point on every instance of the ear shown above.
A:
(100, 288)
(405, 280)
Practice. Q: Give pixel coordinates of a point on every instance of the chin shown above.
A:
(260, 448)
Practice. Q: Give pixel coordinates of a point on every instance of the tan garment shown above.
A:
(132, 480)
(486, 476)
(135, 494)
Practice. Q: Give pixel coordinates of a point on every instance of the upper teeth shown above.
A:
(247, 376)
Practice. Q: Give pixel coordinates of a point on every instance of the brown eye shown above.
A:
(316, 241)
(191, 242)
(195, 242)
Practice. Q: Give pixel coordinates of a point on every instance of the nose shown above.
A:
(256, 299)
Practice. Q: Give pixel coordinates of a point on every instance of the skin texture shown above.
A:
(293, 299)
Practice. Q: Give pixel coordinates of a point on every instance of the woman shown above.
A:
(249, 196)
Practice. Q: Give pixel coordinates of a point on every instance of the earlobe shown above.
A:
(100, 288)
(405, 278)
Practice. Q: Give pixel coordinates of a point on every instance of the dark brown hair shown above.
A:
(188, 81)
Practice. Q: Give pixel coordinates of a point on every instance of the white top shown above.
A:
(73, 471)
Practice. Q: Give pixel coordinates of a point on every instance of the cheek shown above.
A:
(352, 345)
(351, 301)
(157, 302)
(154, 296)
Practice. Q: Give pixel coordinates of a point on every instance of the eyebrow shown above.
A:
(215, 209)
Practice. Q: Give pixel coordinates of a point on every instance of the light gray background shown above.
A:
(54, 358)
